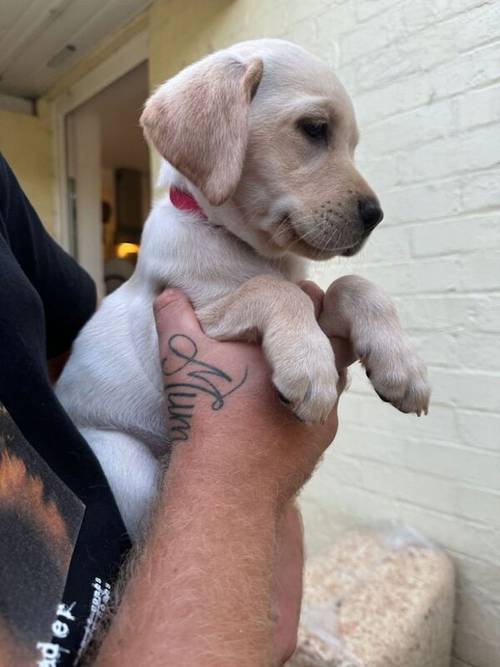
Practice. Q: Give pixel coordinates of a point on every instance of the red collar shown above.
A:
(185, 202)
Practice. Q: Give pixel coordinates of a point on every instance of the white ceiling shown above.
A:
(33, 32)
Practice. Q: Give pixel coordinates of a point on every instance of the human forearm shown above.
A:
(200, 592)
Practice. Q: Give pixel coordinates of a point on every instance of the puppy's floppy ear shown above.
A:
(198, 121)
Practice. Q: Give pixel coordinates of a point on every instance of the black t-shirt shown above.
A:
(45, 299)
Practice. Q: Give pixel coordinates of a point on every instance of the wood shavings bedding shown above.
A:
(379, 598)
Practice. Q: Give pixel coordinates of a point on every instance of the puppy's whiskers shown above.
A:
(330, 236)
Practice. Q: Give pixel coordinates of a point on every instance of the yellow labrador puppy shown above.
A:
(258, 142)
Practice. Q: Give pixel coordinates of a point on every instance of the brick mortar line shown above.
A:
(454, 405)
(407, 112)
(475, 559)
(401, 39)
(435, 96)
(442, 404)
(443, 445)
(451, 518)
(443, 293)
(457, 173)
(472, 215)
(476, 171)
(436, 513)
(404, 37)
(470, 486)
(455, 133)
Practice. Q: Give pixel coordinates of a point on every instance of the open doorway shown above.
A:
(108, 179)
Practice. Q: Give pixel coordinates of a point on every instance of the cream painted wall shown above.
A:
(26, 143)
(424, 79)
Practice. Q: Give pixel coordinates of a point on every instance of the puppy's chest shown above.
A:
(209, 277)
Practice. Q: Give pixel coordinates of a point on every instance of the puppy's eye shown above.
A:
(316, 130)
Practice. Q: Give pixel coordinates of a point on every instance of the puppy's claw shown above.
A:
(400, 380)
(410, 395)
(307, 381)
(282, 398)
(311, 409)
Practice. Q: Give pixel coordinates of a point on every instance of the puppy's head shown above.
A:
(264, 134)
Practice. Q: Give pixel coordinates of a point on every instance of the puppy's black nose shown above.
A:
(370, 213)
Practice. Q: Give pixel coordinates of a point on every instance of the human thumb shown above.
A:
(174, 314)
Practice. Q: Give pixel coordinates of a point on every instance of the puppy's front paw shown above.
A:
(305, 375)
(300, 355)
(397, 374)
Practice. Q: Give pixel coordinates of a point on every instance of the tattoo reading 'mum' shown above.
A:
(193, 378)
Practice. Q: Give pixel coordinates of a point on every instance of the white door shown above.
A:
(84, 173)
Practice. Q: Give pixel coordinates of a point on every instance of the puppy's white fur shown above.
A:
(272, 198)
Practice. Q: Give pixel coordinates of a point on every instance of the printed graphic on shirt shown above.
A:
(52, 653)
(39, 523)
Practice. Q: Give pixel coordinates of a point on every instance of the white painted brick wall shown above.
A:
(425, 79)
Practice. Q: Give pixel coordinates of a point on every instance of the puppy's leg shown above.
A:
(357, 309)
(299, 353)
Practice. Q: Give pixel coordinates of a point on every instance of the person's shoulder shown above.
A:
(6, 173)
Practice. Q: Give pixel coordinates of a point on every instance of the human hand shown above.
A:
(223, 410)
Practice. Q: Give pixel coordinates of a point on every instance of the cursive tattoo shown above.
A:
(193, 378)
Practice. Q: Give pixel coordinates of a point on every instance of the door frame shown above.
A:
(123, 60)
